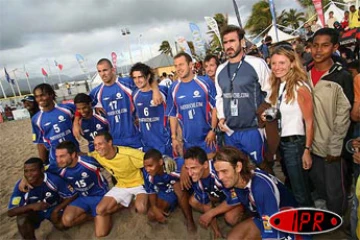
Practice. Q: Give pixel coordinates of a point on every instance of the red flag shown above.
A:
(319, 10)
(44, 72)
(27, 74)
(60, 66)
(114, 58)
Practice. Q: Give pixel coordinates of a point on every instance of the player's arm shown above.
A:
(56, 216)
(157, 98)
(42, 151)
(77, 131)
(16, 211)
(206, 218)
(176, 141)
(211, 136)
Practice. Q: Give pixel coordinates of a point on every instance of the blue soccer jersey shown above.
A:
(86, 177)
(154, 125)
(191, 102)
(93, 126)
(52, 127)
(52, 189)
(264, 196)
(208, 187)
(117, 102)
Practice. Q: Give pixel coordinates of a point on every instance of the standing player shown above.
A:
(163, 189)
(43, 201)
(208, 190)
(125, 165)
(83, 173)
(154, 125)
(211, 63)
(52, 124)
(191, 103)
(239, 85)
(90, 122)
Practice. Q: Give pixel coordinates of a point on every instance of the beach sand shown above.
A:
(16, 147)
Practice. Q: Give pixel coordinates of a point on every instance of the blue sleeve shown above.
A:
(266, 206)
(211, 88)
(128, 82)
(92, 161)
(93, 94)
(171, 109)
(164, 90)
(71, 107)
(64, 189)
(149, 187)
(17, 198)
(37, 136)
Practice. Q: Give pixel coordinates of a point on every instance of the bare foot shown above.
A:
(191, 226)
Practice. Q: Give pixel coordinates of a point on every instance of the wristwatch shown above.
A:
(308, 148)
(213, 129)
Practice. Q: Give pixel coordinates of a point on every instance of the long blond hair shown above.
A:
(294, 77)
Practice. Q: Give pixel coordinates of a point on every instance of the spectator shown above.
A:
(330, 22)
(345, 21)
(315, 26)
(30, 104)
(354, 18)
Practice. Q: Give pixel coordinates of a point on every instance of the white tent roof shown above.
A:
(282, 35)
(338, 13)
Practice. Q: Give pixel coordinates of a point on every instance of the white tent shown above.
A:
(338, 13)
(282, 35)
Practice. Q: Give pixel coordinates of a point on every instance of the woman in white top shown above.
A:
(292, 96)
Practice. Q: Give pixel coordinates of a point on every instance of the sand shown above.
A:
(16, 147)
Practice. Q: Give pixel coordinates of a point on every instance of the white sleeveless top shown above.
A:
(292, 122)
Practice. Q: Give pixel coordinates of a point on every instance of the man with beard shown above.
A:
(240, 83)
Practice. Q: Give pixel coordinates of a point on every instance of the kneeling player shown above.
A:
(83, 173)
(208, 191)
(164, 189)
(46, 200)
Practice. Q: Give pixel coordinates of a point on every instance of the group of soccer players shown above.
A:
(160, 146)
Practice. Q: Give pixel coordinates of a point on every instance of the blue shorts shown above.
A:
(88, 203)
(170, 198)
(202, 144)
(249, 141)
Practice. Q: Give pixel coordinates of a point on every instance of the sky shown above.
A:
(34, 33)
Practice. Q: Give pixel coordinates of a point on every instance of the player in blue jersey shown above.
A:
(208, 189)
(83, 173)
(114, 99)
(90, 122)
(46, 200)
(192, 104)
(241, 85)
(52, 124)
(163, 187)
(261, 193)
(153, 123)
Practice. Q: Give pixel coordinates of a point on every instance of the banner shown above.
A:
(273, 15)
(183, 45)
(199, 42)
(114, 59)
(44, 72)
(60, 66)
(81, 62)
(7, 76)
(214, 27)
(237, 13)
(319, 11)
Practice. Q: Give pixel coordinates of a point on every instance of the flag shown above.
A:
(60, 66)
(319, 10)
(44, 72)
(213, 26)
(81, 61)
(27, 74)
(184, 46)
(114, 59)
(237, 13)
(199, 42)
(8, 79)
(273, 15)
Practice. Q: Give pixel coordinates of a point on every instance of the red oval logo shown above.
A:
(305, 221)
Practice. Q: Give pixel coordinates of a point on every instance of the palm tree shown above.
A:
(165, 48)
(292, 18)
(309, 6)
(259, 19)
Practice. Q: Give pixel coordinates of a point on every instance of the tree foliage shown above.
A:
(165, 48)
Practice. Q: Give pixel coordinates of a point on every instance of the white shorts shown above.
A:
(124, 196)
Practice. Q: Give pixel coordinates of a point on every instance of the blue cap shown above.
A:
(29, 98)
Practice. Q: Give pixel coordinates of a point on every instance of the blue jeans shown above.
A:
(291, 153)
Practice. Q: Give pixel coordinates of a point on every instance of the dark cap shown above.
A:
(29, 98)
